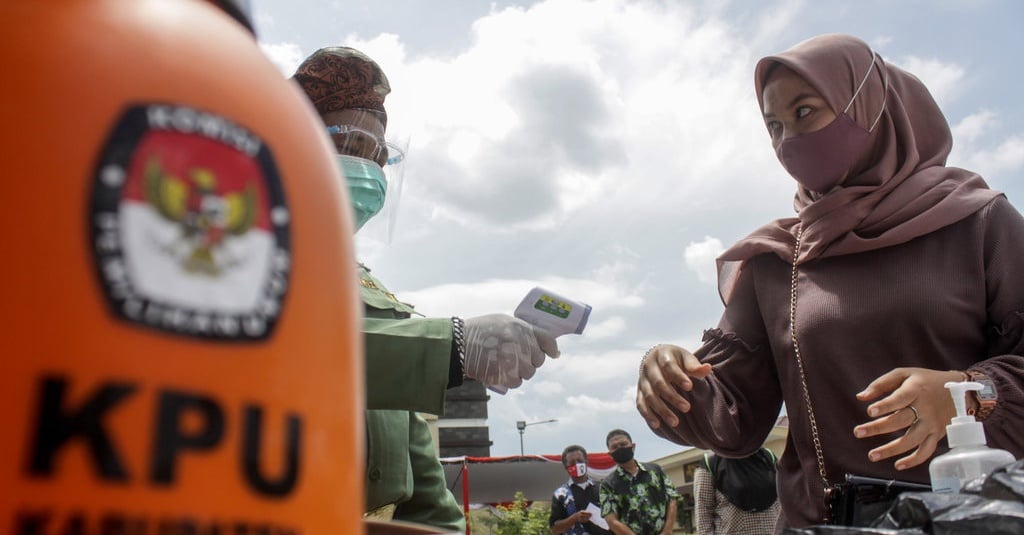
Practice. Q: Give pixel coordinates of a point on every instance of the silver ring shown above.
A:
(917, 415)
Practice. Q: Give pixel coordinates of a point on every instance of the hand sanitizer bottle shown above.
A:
(968, 456)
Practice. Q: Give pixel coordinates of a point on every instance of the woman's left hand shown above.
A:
(908, 389)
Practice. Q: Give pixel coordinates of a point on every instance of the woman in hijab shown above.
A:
(897, 275)
(736, 496)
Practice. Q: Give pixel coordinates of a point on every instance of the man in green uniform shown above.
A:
(410, 361)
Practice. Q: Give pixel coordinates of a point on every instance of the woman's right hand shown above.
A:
(664, 374)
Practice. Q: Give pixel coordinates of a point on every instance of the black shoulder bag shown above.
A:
(861, 500)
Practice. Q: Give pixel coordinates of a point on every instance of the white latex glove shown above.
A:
(502, 351)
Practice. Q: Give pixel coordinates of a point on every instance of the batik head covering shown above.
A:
(341, 78)
(897, 190)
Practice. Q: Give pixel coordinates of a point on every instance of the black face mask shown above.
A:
(622, 455)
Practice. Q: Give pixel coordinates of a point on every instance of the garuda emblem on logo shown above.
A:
(206, 217)
(191, 231)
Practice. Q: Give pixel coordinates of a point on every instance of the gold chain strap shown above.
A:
(825, 486)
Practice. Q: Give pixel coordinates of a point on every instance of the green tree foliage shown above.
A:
(521, 519)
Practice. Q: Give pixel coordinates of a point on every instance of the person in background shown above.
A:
(637, 498)
(736, 496)
(898, 274)
(410, 359)
(569, 503)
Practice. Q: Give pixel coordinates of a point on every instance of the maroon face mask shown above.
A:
(820, 160)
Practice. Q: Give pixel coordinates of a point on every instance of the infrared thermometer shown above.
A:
(554, 313)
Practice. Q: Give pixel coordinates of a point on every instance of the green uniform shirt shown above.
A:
(406, 370)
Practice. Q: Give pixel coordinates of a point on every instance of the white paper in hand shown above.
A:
(595, 516)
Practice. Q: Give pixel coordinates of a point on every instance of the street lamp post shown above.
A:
(521, 426)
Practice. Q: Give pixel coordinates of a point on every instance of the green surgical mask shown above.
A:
(366, 186)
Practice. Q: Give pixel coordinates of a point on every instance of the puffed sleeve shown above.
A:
(1004, 264)
(734, 408)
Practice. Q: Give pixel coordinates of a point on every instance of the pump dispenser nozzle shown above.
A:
(963, 429)
(968, 457)
(958, 389)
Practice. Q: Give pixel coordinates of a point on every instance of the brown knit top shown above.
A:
(949, 300)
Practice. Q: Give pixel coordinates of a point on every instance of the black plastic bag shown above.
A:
(919, 509)
(849, 530)
(1006, 483)
(990, 505)
(955, 514)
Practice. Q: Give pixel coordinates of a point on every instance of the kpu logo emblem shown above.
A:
(190, 228)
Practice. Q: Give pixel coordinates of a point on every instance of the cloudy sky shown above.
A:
(608, 150)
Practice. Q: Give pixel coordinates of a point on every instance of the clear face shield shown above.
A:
(382, 226)
(359, 134)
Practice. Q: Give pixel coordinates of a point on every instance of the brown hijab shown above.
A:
(899, 189)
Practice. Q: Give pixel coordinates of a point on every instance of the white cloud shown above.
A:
(881, 42)
(600, 367)
(980, 146)
(504, 295)
(945, 81)
(469, 300)
(286, 56)
(527, 136)
(609, 328)
(263, 20)
(547, 388)
(700, 258)
(1007, 156)
(777, 20)
(971, 128)
(624, 404)
(996, 161)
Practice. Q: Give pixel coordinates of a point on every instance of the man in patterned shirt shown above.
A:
(569, 504)
(637, 498)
